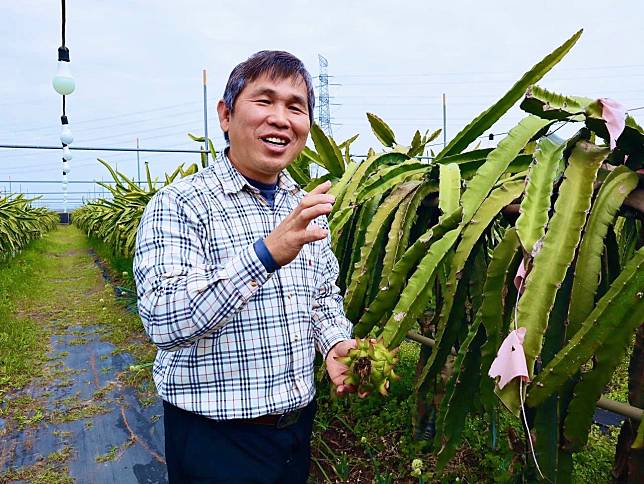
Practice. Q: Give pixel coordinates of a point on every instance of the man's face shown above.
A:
(268, 128)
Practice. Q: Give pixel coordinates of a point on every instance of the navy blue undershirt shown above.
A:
(267, 190)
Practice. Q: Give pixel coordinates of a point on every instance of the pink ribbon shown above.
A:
(510, 360)
(519, 277)
(615, 116)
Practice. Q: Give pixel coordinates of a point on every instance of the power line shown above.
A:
(473, 81)
(117, 116)
(467, 73)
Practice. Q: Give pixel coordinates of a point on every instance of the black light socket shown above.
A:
(63, 54)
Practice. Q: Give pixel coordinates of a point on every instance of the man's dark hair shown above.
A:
(276, 64)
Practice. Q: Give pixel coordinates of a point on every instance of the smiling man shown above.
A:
(236, 284)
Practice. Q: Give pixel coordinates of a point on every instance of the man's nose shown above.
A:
(279, 117)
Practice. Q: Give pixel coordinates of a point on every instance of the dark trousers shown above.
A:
(202, 450)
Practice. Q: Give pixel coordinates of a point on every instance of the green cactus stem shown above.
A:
(556, 254)
(533, 218)
(621, 307)
(619, 183)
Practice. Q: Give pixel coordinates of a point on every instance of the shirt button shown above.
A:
(296, 337)
(253, 283)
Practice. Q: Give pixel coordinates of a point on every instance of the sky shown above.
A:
(138, 70)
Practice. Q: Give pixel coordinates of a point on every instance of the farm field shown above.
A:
(67, 412)
(71, 410)
(434, 242)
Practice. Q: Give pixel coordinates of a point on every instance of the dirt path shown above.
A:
(78, 421)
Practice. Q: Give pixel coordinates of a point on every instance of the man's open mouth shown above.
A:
(275, 140)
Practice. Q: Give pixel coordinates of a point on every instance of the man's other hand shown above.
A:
(337, 370)
(288, 238)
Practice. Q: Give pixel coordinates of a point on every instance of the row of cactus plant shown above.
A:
(115, 220)
(435, 240)
(21, 222)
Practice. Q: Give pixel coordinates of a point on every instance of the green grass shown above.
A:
(54, 288)
(22, 347)
(49, 288)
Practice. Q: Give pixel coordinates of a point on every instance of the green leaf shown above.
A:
(550, 105)
(449, 191)
(533, 218)
(405, 217)
(382, 130)
(620, 309)
(296, 170)
(392, 284)
(554, 257)
(388, 177)
(490, 116)
(459, 394)
(318, 181)
(446, 334)
(374, 237)
(363, 170)
(497, 162)
(609, 199)
(416, 294)
(328, 151)
(339, 189)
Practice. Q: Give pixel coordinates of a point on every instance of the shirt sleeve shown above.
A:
(265, 256)
(329, 321)
(182, 297)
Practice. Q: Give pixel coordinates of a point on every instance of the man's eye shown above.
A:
(297, 109)
(264, 102)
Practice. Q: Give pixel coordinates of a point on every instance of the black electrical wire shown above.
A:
(63, 22)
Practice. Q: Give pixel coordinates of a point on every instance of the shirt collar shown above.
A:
(232, 181)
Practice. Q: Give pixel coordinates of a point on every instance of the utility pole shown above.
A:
(205, 114)
(324, 113)
(444, 121)
(138, 163)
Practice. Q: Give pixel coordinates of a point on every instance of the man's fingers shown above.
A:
(308, 214)
(313, 200)
(321, 188)
(314, 234)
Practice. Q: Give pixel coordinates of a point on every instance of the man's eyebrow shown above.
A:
(267, 91)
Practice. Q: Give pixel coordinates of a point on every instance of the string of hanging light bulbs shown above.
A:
(64, 85)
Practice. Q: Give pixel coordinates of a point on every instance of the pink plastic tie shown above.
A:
(510, 360)
(615, 116)
(519, 277)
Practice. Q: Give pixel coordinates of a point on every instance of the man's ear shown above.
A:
(224, 115)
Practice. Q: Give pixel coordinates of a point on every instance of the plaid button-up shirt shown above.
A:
(234, 340)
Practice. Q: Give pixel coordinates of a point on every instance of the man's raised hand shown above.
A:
(288, 238)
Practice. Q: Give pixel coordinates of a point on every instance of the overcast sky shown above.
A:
(138, 66)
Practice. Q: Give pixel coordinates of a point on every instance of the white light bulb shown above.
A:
(67, 168)
(67, 154)
(63, 81)
(66, 136)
